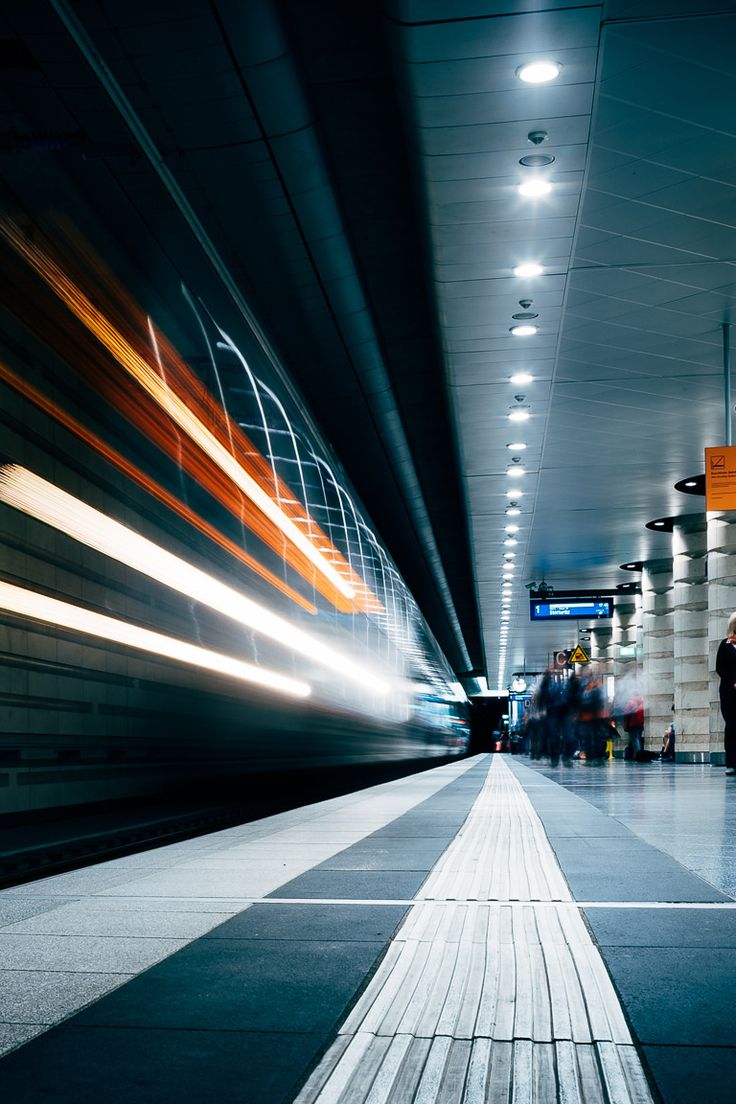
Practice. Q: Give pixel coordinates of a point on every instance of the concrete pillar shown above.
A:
(690, 623)
(601, 660)
(624, 632)
(721, 604)
(600, 648)
(658, 649)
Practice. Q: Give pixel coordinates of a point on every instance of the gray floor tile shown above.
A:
(13, 909)
(34, 997)
(13, 1035)
(216, 905)
(85, 954)
(79, 920)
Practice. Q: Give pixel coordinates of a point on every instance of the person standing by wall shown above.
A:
(726, 671)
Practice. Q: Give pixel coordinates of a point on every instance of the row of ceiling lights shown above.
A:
(535, 72)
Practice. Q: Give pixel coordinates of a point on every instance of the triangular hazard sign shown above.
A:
(577, 655)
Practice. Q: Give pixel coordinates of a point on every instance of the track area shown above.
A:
(33, 847)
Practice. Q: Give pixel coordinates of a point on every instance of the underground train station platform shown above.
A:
(491, 930)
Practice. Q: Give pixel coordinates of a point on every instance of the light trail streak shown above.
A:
(52, 611)
(7, 375)
(170, 401)
(46, 502)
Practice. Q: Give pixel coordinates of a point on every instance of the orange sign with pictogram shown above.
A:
(720, 478)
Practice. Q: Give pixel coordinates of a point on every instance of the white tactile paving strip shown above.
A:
(492, 990)
(68, 940)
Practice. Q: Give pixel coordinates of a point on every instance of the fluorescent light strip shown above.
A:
(44, 501)
(28, 603)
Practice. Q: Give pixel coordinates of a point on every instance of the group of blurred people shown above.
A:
(568, 719)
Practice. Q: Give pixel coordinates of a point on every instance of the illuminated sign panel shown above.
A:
(570, 608)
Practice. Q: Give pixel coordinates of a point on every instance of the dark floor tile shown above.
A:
(243, 985)
(71, 1065)
(442, 833)
(410, 855)
(682, 996)
(387, 885)
(693, 1075)
(583, 827)
(640, 886)
(666, 928)
(321, 922)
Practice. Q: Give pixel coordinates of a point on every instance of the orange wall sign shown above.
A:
(720, 478)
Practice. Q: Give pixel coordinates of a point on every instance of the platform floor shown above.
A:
(475, 933)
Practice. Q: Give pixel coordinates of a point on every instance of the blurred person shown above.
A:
(592, 724)
(726, 671)
(634, 725)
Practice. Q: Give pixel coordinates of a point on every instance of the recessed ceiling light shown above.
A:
(512, 528)
(510, 541)
(515, 471)
(535, 187)
(509, 556)
(536, 160)
(514, 493)
(519, 415)
(523, 330)
(539, 72)
(521, 377)
(658, 523)
(507, 575)
(516, 445)
(691, 483)
(529, 268)
(513, 511)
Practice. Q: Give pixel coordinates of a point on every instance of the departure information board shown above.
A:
(571, 608)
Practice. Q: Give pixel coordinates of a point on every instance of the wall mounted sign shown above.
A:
(720, 478)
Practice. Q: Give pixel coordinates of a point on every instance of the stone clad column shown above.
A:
(721, 604)
(658, 682)
(600, 649)
(690, 623)
(624, 634)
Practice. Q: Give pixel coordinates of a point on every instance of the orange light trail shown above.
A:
(212, 441)
(134, 473)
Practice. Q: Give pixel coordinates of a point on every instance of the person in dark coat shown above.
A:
(726, 671)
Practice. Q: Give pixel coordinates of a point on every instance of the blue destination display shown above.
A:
(570, 609)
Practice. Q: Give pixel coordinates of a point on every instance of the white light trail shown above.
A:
(28, 603)
(48, 503)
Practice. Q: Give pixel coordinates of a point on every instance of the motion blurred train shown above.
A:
(189, 588)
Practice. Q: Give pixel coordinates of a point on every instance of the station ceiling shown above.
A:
(350, 172)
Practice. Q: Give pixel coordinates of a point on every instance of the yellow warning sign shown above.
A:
(577, 655)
